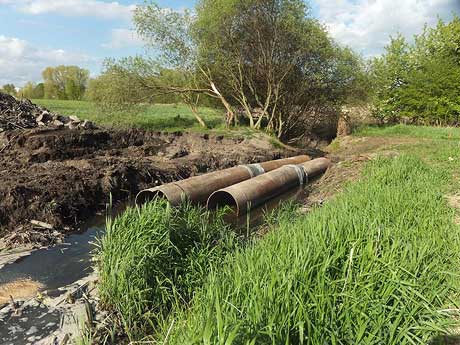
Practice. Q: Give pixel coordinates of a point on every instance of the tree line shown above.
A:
(269, 65)
(60, 82)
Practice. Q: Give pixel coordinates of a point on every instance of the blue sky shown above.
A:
(39, 33)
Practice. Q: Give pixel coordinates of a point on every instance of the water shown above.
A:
(61, 265)
(51, 268)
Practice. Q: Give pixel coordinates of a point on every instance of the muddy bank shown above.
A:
(63, 176)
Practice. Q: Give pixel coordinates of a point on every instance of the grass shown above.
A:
(164, 117)
(410, 131)
(374, 266)
(153, 258)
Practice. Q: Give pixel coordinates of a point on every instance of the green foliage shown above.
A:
(267, 61)
(9, 89)
(373, 266)
(273, 56)
(152, 259)
(39, 91)
(65, 82)
(419, 82)
(32, 90)
(132, 81)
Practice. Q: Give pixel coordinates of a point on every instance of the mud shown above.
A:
(63, 176)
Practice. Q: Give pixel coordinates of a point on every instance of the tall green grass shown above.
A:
(153, 258)
(374, 266)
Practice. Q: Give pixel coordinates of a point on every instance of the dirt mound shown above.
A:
(23, 114)
(62, 176)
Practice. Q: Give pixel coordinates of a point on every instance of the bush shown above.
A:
(418, 83)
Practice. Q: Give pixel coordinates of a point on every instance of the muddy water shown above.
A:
(48, 270)
(45, 271)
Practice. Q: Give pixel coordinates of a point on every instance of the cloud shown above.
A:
(21, 62)
(366, 25)
(122, 38)
(89, 8)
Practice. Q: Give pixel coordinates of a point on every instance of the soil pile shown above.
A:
(23, 114)
(61, 176)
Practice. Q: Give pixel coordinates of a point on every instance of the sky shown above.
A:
(35, 34)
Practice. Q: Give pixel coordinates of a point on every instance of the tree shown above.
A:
(9, 89)
(27, 91)
(65, 82)
(419, 81)
(267, 60)
(39, 91)
(118, 87)
(390, 74)
(263, 56)
(170, 32)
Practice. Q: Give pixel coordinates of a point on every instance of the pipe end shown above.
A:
(147, 195)
(220, 199)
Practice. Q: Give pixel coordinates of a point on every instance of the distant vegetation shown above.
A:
(60, 82)
(419, 82)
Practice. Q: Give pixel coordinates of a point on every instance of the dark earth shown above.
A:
(62, 176)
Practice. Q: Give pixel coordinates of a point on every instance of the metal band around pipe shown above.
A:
(254, 169)
(248, 194)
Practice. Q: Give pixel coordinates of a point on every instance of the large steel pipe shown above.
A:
(248, 194)
(198, 188)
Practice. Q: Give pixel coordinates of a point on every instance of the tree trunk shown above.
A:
(228, 107)
(197, 116)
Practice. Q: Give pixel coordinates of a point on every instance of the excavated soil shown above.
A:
(64, 176)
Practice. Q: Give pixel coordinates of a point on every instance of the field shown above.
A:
(159, 117)
(377, 263)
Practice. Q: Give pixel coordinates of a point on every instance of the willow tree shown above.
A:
(267, 60)
(169, 34)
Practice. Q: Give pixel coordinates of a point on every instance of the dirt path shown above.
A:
(63, 176)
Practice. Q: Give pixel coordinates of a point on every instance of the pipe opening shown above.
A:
(221, 199)
(148, 195)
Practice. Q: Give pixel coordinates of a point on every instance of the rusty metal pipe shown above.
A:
(198, 188)
(248, 194)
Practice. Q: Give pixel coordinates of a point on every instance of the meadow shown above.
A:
(161, 117)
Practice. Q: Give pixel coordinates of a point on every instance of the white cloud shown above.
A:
(90, 8)
(122, 38)
(21, 62)
(366, 25)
